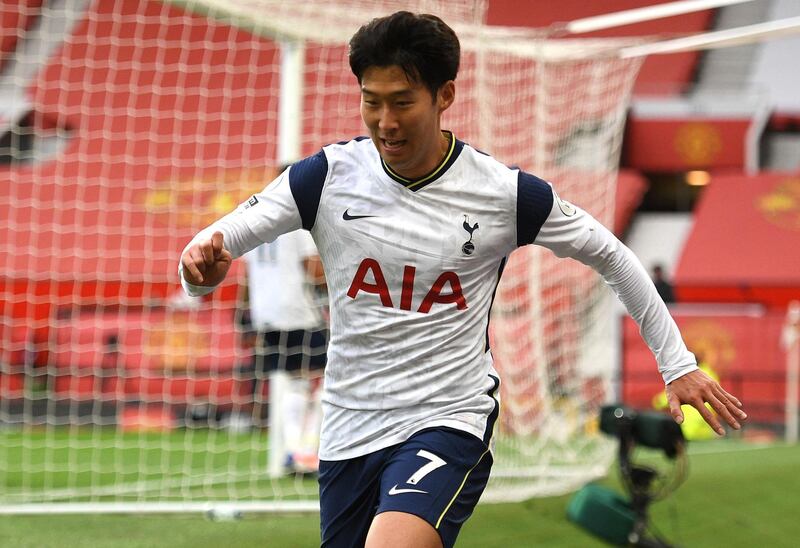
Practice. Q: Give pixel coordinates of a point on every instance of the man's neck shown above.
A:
(445, 139)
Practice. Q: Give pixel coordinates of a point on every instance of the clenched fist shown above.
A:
(206, 262)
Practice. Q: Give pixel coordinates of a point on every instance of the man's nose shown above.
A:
(387, 119)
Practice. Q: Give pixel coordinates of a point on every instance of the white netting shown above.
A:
(128, 126)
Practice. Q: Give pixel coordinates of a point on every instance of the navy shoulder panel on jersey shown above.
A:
(356, 139)
(534, 202)
(306, 179)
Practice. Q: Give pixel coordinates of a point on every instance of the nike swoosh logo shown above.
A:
(395, 491)
(347, 217)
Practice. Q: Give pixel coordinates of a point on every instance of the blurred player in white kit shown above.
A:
(286, 287)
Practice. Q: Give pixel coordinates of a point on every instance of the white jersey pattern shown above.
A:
(281, 297)
(412, 267)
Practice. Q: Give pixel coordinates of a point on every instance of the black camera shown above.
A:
(648, 428)
(614, 518)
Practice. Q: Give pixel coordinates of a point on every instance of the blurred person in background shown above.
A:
(286, 297)
(663, 287)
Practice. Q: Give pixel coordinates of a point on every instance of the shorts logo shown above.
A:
(469, 248)
(395, 491)
(251, 202)
(433, 463)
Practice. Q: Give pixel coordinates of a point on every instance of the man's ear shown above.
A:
(446, 95)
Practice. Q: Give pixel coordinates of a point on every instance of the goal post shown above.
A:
(791, 344)
(119, 394)
(647, 13)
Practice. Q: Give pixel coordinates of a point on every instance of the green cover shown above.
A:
(603, 513)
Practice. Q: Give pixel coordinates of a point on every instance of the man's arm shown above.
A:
(286, 204)
(263, 217)
(571, 232)
(685, 383)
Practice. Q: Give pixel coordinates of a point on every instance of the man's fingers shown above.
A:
(737, 404)
(196, 255)
(722, 407)
(217, 243)
(708, 416)
(732, 405)
(190, 267)
(225, 256)
(207, 249)
(674, 407)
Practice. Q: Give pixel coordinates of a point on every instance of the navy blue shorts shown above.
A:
(438, 474)
(297, 350)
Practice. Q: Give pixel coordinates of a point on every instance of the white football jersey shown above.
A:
(412, 267)
(281, 297)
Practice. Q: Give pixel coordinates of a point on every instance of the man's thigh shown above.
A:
(348, 496)
(438, 475)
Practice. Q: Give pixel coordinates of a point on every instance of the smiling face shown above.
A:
(404, 119)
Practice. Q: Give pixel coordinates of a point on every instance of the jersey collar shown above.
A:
(415, 184)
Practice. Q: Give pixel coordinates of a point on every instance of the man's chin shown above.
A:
(395, 161)
(398, 166)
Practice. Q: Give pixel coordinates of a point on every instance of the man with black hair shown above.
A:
(414, 227)
(664, 288)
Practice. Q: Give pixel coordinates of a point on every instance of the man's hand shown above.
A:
(697, 388)
(207, 262)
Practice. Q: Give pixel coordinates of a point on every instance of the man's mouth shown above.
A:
(392, 145)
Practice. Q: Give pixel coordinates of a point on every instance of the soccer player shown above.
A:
(414, 227)
(285, 278)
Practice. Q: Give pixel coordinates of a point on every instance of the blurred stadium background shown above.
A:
(127, 125)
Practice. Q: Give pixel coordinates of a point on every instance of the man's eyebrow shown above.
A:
(392, 94)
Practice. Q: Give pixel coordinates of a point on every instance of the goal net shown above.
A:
(126, 126)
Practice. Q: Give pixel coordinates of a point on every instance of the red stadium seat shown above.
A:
(14, 22)
(146, 354)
